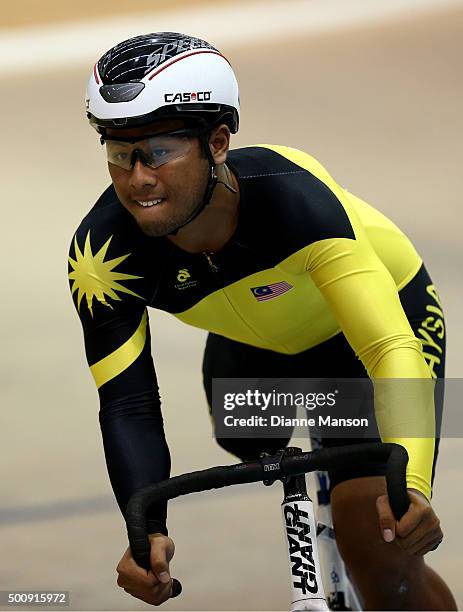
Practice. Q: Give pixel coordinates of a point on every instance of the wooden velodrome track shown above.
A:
(380, 106)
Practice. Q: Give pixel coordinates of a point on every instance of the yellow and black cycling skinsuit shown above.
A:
(356, 302)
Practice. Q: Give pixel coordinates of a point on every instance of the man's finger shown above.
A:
(130, 573)
(424, 531)
(146, 580)
(424, 544)
(153, 596)
(438, 543)
(412, 518)
(426, 549)
(386, 518)
(165, 592)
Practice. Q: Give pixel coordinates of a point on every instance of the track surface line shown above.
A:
(24, 50)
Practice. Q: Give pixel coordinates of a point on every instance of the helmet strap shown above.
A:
(211, 183)
(227, 185)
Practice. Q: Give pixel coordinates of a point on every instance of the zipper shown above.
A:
(219, 283)
(212, 265)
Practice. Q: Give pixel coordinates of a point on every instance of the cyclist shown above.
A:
(197, 230)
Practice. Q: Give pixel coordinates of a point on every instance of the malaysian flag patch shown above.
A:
(268, 292)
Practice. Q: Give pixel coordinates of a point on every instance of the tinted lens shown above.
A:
(154, 151)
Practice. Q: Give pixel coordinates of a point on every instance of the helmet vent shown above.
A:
(121, 92)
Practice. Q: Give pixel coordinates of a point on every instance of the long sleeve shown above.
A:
(118, 351)
(365, 302)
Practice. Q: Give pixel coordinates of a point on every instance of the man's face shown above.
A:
(179, 184)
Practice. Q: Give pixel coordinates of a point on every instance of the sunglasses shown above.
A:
(152, 151)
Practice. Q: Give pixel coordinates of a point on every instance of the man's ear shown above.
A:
(219, 143)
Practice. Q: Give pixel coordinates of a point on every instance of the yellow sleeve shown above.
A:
(365, 301)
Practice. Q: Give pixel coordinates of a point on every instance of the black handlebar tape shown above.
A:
(194, 482)
(214, 478)
(396, 480)
(176, 587)
(394, 455)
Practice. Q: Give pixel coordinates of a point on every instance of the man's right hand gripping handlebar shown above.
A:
(154, 586)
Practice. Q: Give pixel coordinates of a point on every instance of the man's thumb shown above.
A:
(159, 563)
(386, 518)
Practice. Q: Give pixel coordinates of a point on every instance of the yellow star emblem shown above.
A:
(92, 276)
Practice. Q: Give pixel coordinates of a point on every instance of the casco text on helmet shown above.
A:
(160, 75)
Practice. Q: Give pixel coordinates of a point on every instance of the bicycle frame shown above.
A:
(340, 591)
(301, 532)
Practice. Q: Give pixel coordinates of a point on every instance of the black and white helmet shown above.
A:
(160, 75)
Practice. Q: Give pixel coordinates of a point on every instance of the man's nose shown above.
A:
(142, 175)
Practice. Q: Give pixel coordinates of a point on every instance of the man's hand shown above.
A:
(418, 531)
(153, 587)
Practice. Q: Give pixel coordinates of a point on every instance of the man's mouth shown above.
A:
(149, 203)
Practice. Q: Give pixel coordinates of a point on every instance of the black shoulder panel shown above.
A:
(286, 206)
